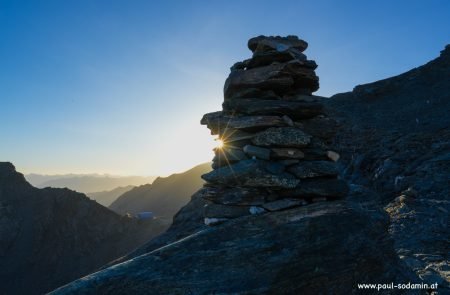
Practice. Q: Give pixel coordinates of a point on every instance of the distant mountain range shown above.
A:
(165, 196)
(105, 198)
(87, 183)
(51, 236)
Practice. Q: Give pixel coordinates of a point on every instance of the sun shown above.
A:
(219, 143)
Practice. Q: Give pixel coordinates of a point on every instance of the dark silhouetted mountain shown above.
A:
(105, 198)
(165, 196)
(90, 183)
(394, 141)
(51, 236)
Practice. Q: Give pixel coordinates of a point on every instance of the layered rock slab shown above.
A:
(279, 250)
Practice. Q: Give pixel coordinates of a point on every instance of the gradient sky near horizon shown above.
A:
(119, 87)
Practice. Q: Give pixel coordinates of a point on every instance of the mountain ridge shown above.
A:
(43, 231)
(165, 196)
(87, 183)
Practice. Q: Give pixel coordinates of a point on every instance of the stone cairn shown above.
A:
(275, 135)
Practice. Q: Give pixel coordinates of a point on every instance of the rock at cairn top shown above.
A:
(264, 43)
(276, 136)
(277, 70)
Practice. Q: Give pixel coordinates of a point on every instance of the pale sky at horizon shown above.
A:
(119, 87)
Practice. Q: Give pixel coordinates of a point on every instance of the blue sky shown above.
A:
(120, 86)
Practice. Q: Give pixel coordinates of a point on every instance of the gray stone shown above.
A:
(258, 152)
(227, 155)
(288, 120)
(260, 59)
(283, 204)
(333, 156)
(254, 210)
(240, 65)
(214, 221)
(241, 196)
(315, 154)
(288, 162)
(278, 43)
(224, 211)
(252, 173)
(254, 92)
(318, 187)
(285, 136)
(307, 169)
(304, 98)
(218, 123)
(287, 153)
(254, 106)
(282, 78)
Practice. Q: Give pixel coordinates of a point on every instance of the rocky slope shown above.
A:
(165, 196)
(393, 226)
(49, 237)
(395, 139)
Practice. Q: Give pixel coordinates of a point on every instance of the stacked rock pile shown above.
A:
(275, 134)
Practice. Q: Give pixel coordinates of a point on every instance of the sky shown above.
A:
(119, 87)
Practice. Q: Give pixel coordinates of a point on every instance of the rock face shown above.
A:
(276, 253)
(395, 139)
(268, 97)
(49, 236)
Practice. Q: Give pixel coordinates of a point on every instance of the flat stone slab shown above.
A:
(282, 78)
(308, 169)
(288, 162)
(252, 173)
(283, 204)
(258, 152)
(241, 196)
(232, 154)
(260, 59)
(225, 211)
(282, 137)
(287, 153)
(330, 188)
(294, 109)
(218, 123)
(226, 156)
(278, 43)
(214, 221)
